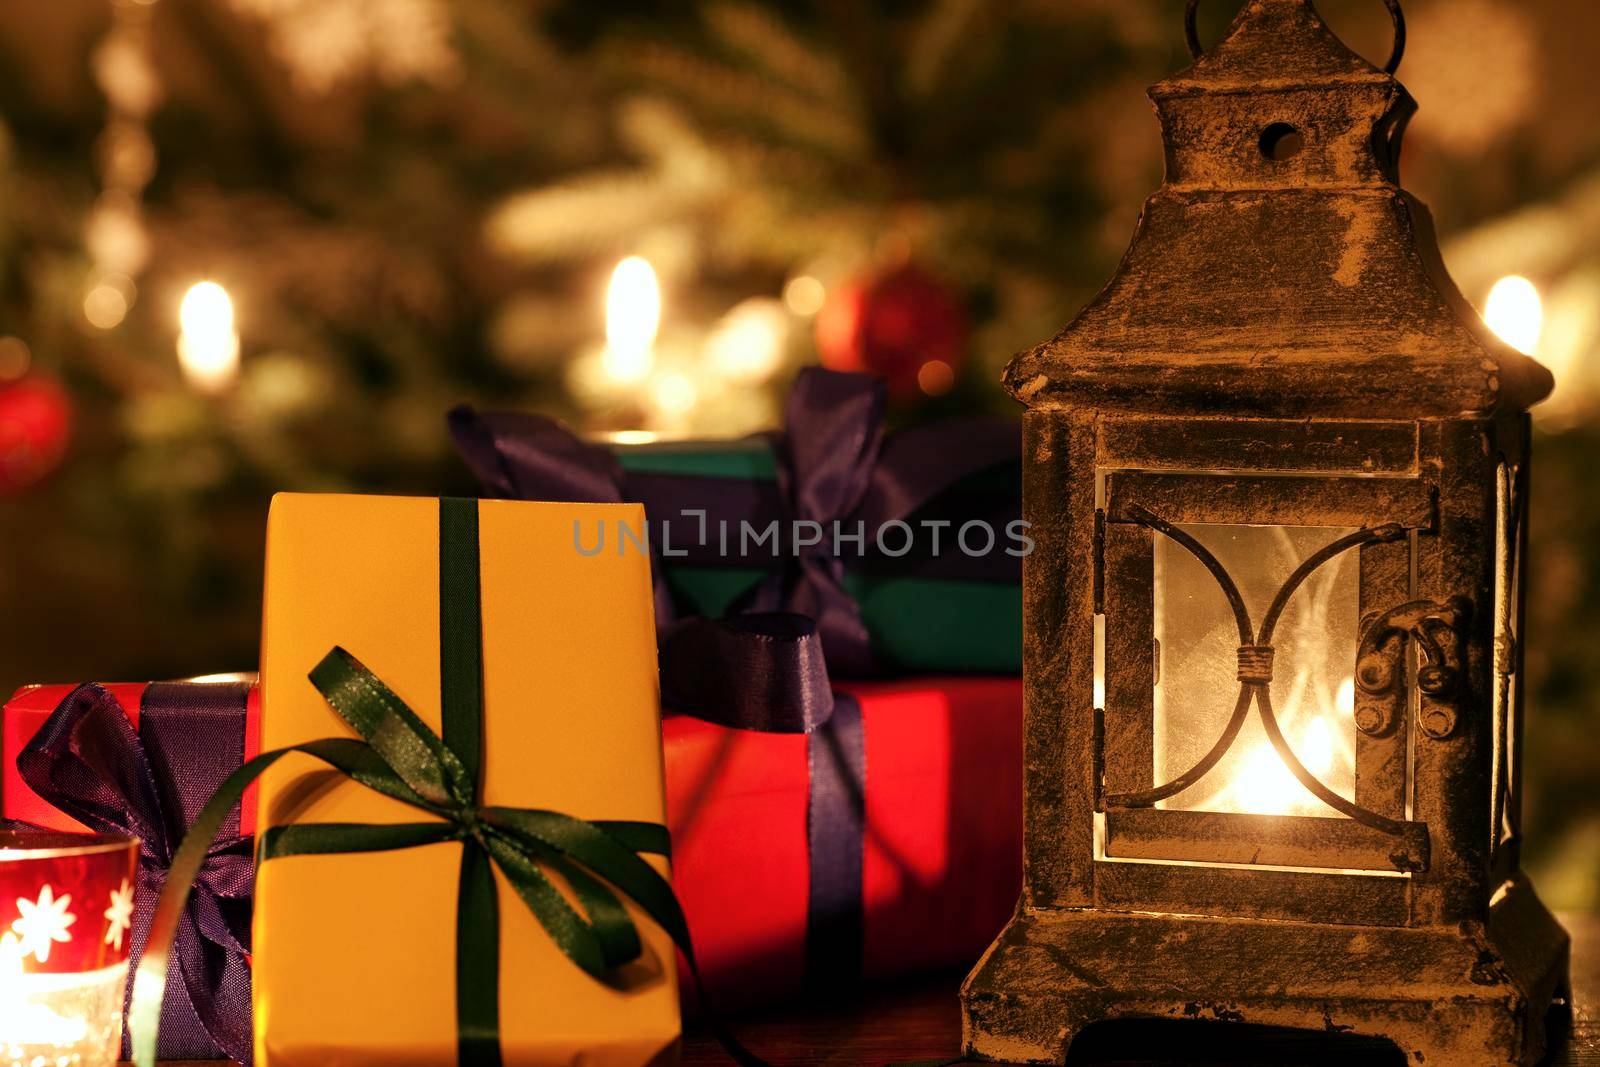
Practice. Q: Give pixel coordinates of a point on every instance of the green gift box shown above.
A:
(925, 611)
(905, 548)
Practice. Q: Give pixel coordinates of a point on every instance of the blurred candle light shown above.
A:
(633, 315)
(936, 377)
(1572, 327)
(804, 295)
(1515, 313)
(208, 346)
(631, 437)
(104, 307)
(674, 395)
(747, 344)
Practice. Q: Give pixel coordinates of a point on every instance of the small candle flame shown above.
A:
(633, 315)
(208, 347)
(1264, 785)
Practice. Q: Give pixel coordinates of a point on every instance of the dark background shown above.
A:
(417, 202)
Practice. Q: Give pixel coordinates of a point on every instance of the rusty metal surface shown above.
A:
(1230, 498)
(1306, 286)
(920, 1019)
(1280, 346)
(1142, 442)
(1455, 996)
(1058, 625)
(1129, 747)
(1451, 787)
(1364, 899)
(1273, 840)
(1382, 761)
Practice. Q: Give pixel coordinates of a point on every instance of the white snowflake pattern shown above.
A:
(43, 922)
(119, 916)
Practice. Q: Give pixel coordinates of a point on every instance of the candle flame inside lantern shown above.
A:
(208, 347)
(1264, 784)
(633, 314)
(1515, 312)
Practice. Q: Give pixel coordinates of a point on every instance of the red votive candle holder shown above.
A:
(66, 921)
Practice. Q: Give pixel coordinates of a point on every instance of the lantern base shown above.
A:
(1473, 994)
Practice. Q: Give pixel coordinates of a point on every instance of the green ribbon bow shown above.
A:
(400, 757)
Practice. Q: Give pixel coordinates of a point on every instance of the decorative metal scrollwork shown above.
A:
(1255, 671)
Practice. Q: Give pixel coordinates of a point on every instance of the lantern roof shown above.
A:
(1280, 270)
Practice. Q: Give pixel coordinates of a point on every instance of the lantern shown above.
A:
(1276, 474)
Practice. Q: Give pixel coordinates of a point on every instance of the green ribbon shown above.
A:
(399, 756)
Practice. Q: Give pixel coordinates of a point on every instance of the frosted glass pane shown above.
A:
(1312, 688)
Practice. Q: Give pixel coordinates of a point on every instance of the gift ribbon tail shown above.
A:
(600, 848)
(836, 815)
(477, 961)
(635, 836)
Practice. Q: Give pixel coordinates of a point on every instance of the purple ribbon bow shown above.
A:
(88, 762)
(766, 665)
(826, 456)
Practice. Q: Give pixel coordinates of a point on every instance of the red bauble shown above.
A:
(895, 325)
(35, 423)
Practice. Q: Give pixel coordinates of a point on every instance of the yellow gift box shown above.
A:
(355, 953)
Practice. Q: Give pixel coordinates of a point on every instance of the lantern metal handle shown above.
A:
(1192, 34)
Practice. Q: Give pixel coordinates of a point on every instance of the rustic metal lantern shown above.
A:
(1275, 473)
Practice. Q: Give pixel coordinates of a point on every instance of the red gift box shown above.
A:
(941, 849)
(27, 711)
(185, 738)
(941, 864)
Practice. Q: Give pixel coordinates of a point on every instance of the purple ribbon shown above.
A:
(766, 665)
(754, 669)
(836, 830)
(826, 456)
(88, 762)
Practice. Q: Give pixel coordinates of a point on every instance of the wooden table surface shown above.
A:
(920, 1020)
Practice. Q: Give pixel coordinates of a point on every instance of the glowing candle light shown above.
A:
(747, 345)
(66, 909)
(804, 295)
(1266, 786)
(633, 314)
(208, 346)
(1515, 313)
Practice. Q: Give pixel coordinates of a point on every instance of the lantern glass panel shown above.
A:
(1312, 689)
